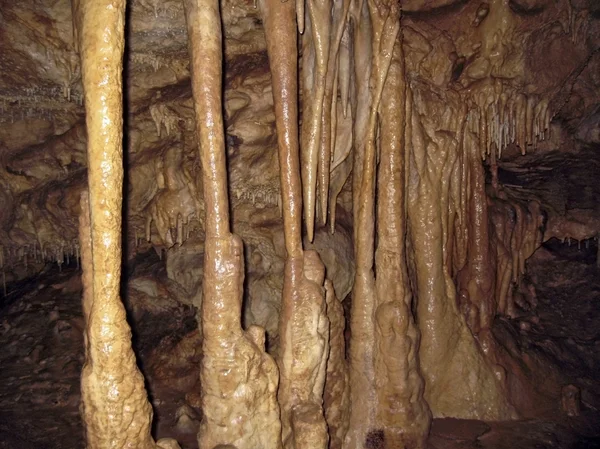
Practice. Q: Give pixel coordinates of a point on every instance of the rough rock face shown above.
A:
(408, 165)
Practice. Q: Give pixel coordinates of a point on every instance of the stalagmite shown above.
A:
(239, 379)
(402, 413)
(304, 327)
(385, 19)
(336, 398)
(115, 407)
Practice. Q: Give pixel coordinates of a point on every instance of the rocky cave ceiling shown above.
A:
(498, 125)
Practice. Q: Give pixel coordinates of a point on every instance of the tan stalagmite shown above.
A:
(123, 418)
(238, 378)
(115, 407)
(385, 22)
(303, 323)
(336, 398)
(402, 413)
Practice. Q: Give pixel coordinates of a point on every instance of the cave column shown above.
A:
(402, 413)
(115, 408)
(239, 380)
(384, 20)
(303, 325)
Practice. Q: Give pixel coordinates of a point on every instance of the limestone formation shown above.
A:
(115, 407)
(338, 220)
(239, 379)
(303, 322)
(336, 396)
(402, 413)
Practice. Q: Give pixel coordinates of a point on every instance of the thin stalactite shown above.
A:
(319, 24)
(339, 13)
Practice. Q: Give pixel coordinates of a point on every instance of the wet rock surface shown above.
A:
(502, 260)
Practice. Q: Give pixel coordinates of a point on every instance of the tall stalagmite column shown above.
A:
(402, 413)
(304, 327)
(385, 24)
(115, 407)
(239, 379)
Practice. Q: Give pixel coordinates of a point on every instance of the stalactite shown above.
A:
(361, 59)
(303, 323)
(300, 15)
(339, 11)
(517, 234)
(239, 379)
(115, 407)
(339, 176)
(476, 281)
(318, 24)
(342, 123)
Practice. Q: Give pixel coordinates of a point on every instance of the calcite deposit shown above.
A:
(320, 224)
(239, 379)
(115, 408)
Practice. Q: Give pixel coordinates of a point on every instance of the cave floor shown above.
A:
(42, 354)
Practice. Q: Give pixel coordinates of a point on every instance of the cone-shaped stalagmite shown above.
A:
(115, 407)
(239, 379)
(304, 327)
(336, 399)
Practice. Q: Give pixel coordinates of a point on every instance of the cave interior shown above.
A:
(300, 224)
